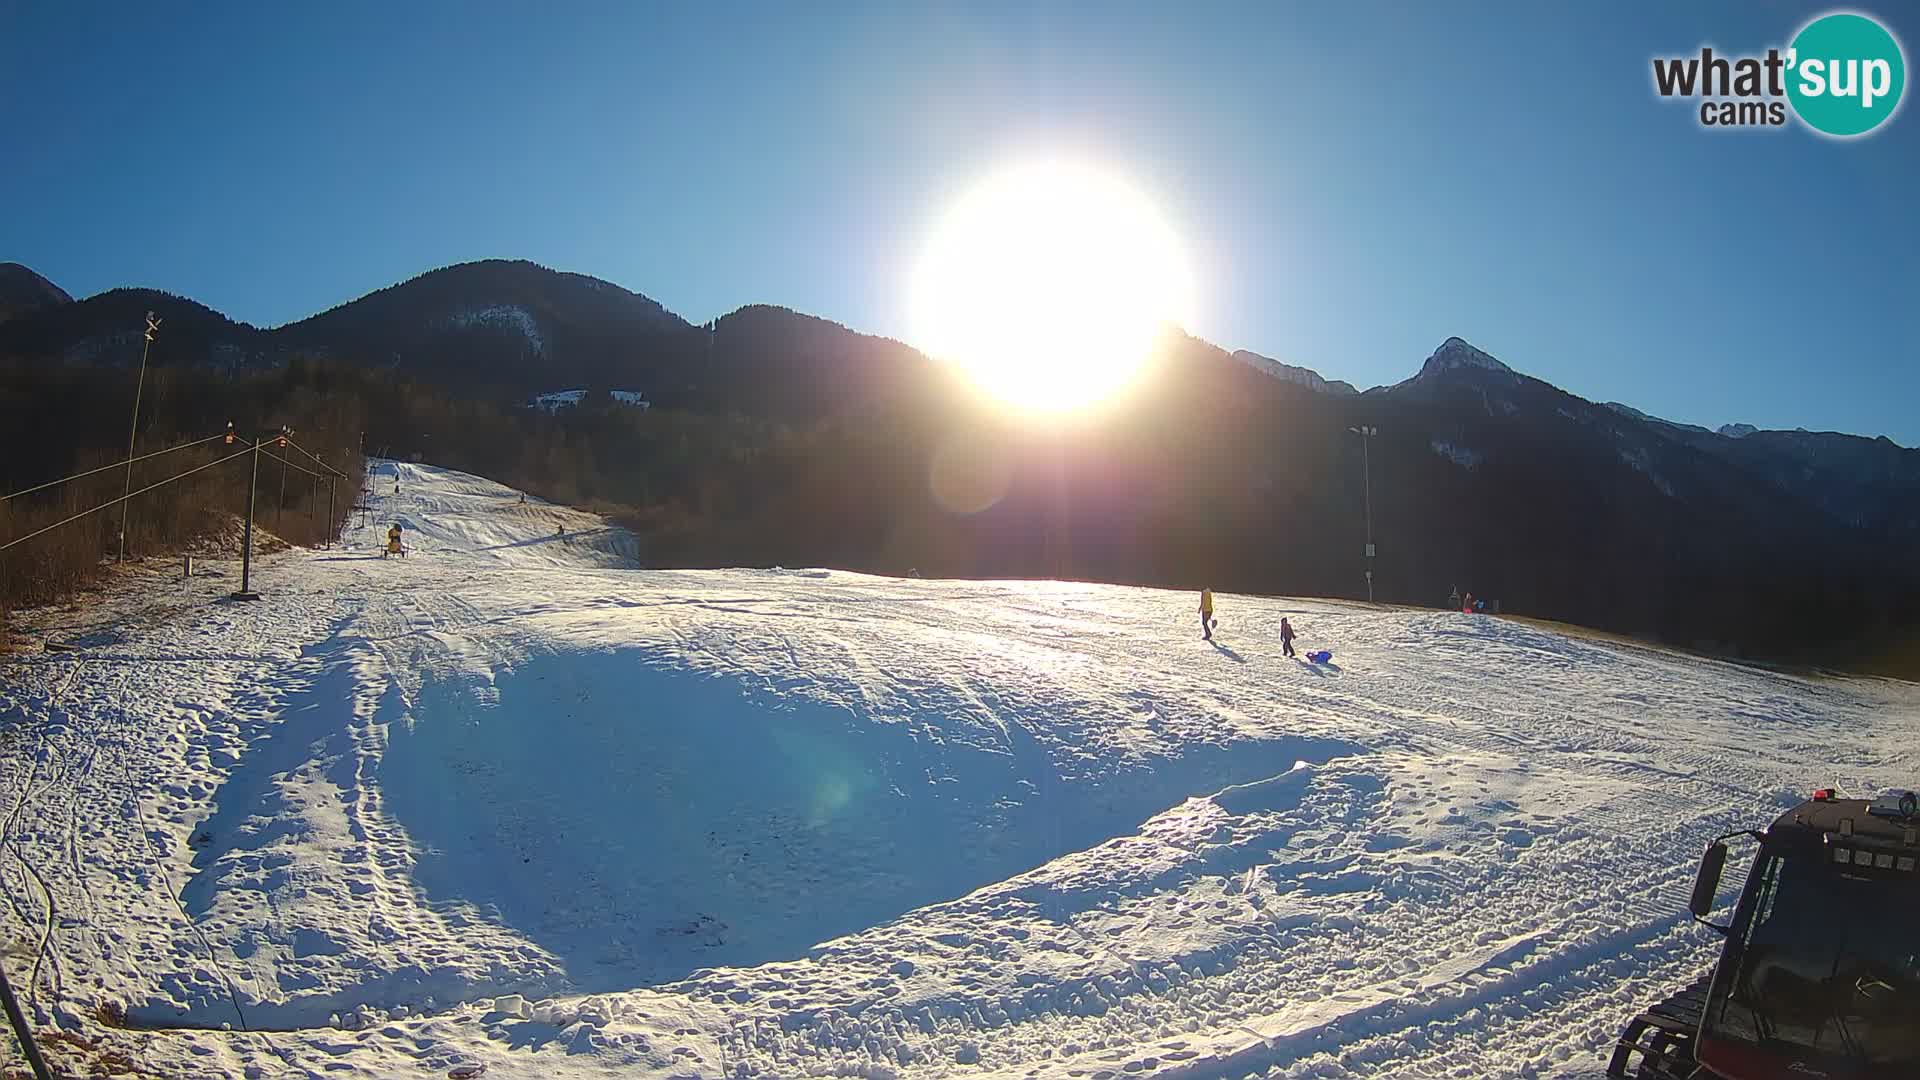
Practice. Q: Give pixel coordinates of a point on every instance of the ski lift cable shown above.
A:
(336, 473)
(296, 468)
(116, 465)
(124, 498)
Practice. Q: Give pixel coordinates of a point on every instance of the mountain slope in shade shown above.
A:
(1306, 377)
(507, 330)
(1628, 410)
(22, 291)
(109, 328)
(1872, 485)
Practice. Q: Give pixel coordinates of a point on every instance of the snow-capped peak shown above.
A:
(1455, 353)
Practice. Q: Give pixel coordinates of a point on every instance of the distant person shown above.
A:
(393, 541)
(1480, 606)
(1467, 608)
(1453, 599)
(1206, 614)
(1286, 636)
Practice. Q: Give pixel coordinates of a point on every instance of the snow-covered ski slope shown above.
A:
(510, 802)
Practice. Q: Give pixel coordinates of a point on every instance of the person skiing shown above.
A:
(1453, 598)
(1286, 636)
(393, 541)
(1467, 608)
(1206, 614)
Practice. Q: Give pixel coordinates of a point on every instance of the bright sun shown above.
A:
(1049, 284)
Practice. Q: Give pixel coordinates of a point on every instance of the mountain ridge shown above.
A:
(105, 327)
(23, 291)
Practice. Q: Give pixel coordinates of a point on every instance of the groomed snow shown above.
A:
(511, 802)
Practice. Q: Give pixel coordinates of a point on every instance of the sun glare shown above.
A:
(1049, 284)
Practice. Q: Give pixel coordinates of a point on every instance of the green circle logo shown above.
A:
(1846, 74)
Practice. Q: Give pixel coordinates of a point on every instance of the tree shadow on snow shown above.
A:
(261, 800)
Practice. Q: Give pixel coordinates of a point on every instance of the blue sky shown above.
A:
(1354, 182)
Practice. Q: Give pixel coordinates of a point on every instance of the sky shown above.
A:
(1353, 183)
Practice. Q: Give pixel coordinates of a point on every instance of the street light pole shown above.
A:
(246, 551)
(1366, 433)
(133, 429)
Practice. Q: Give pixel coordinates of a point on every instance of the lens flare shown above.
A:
(969, 473)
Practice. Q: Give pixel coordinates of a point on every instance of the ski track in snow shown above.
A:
(511, 802)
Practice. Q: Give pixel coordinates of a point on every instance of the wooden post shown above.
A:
(246, 554)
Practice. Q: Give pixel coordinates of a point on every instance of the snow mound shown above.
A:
(652, 821)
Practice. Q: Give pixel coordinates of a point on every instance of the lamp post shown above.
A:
(133, 429)
(246, 551)
(1367, 433)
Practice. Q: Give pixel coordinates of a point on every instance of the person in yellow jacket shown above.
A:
(393, 541)
(1206, 614)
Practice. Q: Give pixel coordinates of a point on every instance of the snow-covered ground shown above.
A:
(567, 399)
(511, 802)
